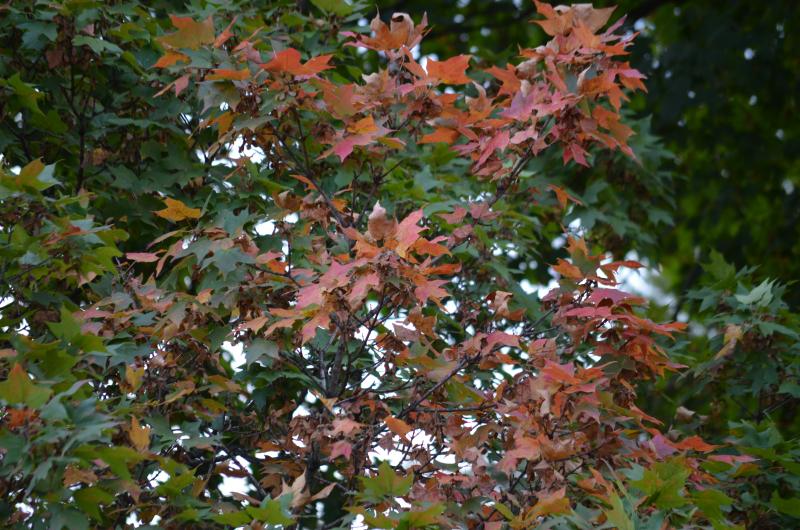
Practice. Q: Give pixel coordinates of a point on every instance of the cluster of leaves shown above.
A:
(742, 391)
(354, 228)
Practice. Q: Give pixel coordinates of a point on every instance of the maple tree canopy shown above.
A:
(270, 283)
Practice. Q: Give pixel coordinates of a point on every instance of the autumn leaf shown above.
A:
(398, 426)
(379, 225)
(288, 61)
(441, 134)
(19, 389)
(139, 435)
(142, 257)
(451, 71)
(177, 211)
(190, 34)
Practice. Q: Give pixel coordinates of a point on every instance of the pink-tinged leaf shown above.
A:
(408, 232)
(616, 296)
(575, 152)
(456, 217)
(253, 325)
(310, 295)
(430, 289)
(498, 142)
(560, 373)
(362, 287)
(588, 312)
(181, 83)
(345, 426)
(341, 448)
(142, 257)
(502, 338)
(733, 459)
(521, 106)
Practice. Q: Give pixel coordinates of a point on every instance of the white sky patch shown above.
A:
(231, 485)
(236, 351)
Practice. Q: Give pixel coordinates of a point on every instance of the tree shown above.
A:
(722, 82)
(183, 184)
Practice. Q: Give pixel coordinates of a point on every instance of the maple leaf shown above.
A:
(142, 257)
(177, 211)
(452, 71)
(170, 58)
(345, 426)
(441, 134)
(19, 389)
(341, 448)
(288, 61)
(75, 475)
(379, 225)
(401, 32)
(139, 435)
(508, 77)
(568, 270)
(408, 232)
(551, 503)
(398, 426)
(364, 132)
(190, 34)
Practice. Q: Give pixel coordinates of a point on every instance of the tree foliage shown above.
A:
(265, 266)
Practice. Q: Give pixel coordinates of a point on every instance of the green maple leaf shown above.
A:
(386, 483)
(663, 483)
(19, 388)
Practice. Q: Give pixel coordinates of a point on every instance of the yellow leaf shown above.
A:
(133, 376)
(733, 334)
(177, 211)
(139, 435)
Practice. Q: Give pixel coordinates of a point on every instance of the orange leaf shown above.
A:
(451, 71)
(441, 134)
(398, 426)
(170, 58)
(288, 61)
(568, 270)
(227, 73)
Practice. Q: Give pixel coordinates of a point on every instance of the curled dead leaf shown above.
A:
(379, 225)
